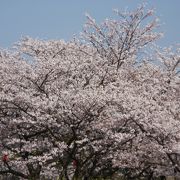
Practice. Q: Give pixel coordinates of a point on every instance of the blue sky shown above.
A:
(61, 19)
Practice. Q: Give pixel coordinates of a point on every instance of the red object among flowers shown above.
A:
(74, 163)
(5, 158)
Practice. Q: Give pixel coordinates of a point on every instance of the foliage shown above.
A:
(92, 107)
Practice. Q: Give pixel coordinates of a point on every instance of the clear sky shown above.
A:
(61, 19)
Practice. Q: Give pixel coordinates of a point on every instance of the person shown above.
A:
(5, 158)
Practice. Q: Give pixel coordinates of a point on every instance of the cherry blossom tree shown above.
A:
(96, 106)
